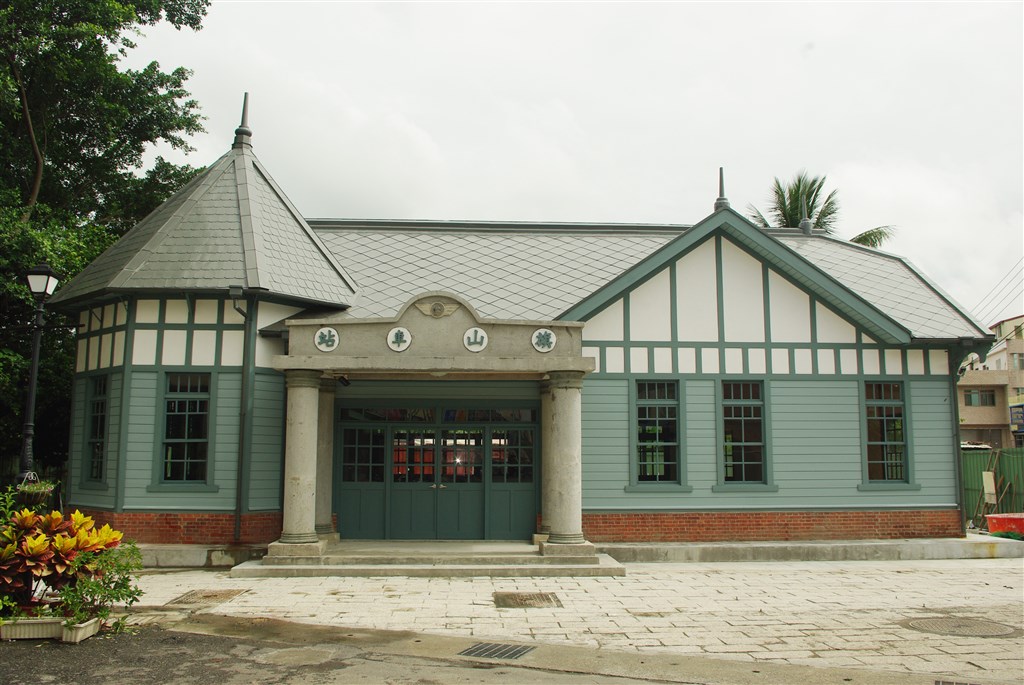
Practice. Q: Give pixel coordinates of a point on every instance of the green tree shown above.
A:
(804, 196)
(75, 127)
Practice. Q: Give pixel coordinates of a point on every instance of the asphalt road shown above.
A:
(200, 649)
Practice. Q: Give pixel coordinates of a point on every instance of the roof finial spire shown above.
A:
(805, 223)
(722, 202)
(243, 134)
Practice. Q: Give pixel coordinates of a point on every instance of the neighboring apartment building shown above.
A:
(987, 389)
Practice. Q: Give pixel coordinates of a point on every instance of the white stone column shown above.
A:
(300, 457)
(325, 460)
(562, 483)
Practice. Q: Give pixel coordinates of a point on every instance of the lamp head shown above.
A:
(42, 281)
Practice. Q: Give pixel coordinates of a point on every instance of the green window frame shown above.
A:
(887, 457)
(186, 438)
(96, 441)
(979, 398)
(657, 420)
(744, 446)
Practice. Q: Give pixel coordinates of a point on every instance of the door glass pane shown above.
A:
(412, 455)
(462, 458)
(512, 455)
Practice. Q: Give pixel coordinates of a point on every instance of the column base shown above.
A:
(281, 548)
(329, 536)
(561, 549)
(566, 538)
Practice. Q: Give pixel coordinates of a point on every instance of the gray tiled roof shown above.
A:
(229, 226)
(889, 283)
(533, 273)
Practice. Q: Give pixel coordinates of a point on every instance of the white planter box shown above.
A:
(32, 629)
(79, 632)
(48, 629)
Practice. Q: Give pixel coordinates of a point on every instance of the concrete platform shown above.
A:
(974, 546)
(388, 557)
(369, 558)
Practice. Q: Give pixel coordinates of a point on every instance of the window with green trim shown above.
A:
(979, 398)
(887, 441)
(657, 431)
(96, 449)
(186, 428)
(743, 457)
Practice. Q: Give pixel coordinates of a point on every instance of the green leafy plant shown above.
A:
(82, 566)
(7, 504)
(102, 579)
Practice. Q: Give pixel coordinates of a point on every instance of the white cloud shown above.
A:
(624, 112)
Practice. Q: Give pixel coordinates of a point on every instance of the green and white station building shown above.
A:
(245, 374)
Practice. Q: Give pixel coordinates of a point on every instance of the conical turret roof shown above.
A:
(230, 226)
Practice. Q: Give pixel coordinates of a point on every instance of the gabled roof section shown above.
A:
(729, 223)
(507, 270)
(231, 225)
(892, 284)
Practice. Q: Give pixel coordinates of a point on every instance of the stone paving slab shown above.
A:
(828, 614)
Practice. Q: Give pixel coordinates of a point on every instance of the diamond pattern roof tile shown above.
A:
(229, 226)
(889, 283)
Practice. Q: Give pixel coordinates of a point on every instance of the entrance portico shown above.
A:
(436, 336)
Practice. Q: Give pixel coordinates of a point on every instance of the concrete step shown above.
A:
(604, 565)
(431, 560)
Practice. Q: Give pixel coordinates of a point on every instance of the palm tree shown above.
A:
(803, 197)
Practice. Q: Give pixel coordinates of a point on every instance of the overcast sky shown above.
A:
(623, 112)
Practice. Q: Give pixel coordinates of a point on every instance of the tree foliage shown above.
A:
(75, 129)
(804, 196)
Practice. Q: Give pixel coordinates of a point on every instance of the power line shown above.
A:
(997, 299)
(981, 303)
(1002, 305)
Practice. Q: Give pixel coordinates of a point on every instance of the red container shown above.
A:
(1005, 523)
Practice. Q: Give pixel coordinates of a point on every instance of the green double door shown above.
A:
(417, 482)
(437, 484)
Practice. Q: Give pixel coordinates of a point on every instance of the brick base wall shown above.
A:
(770, 525)
(191, 528)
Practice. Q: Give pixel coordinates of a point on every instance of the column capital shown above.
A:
(328, 384)
(302, 378)
(563, 380)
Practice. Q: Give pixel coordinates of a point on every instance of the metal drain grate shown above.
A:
(963, 627)
(526, 600)
(952, 682)
(202, 598)
(493, 650)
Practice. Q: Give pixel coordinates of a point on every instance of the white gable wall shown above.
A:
(761, 324)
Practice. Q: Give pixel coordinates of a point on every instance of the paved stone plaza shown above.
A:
(829, 614)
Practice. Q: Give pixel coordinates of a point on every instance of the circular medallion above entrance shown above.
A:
(326, 339)
(399, 339)
(475, 339)
(544, 340)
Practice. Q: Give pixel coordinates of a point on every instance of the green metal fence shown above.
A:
(1008, 467)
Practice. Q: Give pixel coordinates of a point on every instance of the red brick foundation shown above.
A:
(191, 528)
(770, 525)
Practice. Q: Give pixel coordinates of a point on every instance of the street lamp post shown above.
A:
(42, 282)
